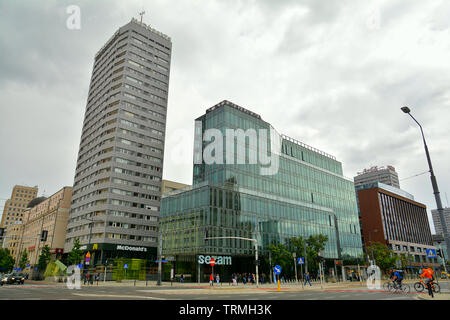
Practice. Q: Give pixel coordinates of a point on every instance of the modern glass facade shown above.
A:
(307, 195)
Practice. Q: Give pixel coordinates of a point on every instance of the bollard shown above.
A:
(278, 282)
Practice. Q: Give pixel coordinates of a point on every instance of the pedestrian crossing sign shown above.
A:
(431, 253)
(300, 261)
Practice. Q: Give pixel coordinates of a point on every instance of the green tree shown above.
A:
(281, 256)
(297, 245)
(6, 261)
(75, 255)
(23, 260)
(384, 258)
(44, 258)
(315, 244)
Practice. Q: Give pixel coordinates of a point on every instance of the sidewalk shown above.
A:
(227, 287)
(437, 296)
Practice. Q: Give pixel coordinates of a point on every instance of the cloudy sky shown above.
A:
(332, 74)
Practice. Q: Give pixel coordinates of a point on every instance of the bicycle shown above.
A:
(387, 286)
(404, 288)
(420, 286)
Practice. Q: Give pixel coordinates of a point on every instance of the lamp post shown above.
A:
(437, 195)
(443, 256)
(294, 255)
(90, 231)
(370, 241)
(255, 241)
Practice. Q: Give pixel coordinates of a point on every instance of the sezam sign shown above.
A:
(220, 260)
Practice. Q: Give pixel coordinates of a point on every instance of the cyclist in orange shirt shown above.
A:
(428, 275)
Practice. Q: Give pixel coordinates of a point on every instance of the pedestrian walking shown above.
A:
(211, 280)
(232, 279)
(97, 278)
(217, 279)
(308, 279)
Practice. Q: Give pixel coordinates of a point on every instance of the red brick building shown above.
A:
(391, 216)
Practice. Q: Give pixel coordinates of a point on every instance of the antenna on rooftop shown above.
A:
(142, 14)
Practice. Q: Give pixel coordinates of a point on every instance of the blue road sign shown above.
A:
(28, 265)
(277, 269)
(300, 261)
(80, 266)
(35, 269)
(431, 253)
(162, 261)
(125, 266)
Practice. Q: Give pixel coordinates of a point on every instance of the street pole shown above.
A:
(295, 266)
(256, 251)
(335, 271)
(443, 257)
(306, 259)
(271, 270)
(436, 192)
(371, 247)
(302, 279)
(159, 259)
(256, 261)
(320, 274)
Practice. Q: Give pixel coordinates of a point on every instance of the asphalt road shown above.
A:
(61, 292)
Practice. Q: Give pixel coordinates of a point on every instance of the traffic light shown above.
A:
(44, 235)
(439, 253)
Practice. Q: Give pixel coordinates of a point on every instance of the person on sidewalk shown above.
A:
(217, 279)
(97, 278)
(308, 279)
(211, 280)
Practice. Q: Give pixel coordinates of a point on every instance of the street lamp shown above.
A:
(437, 195)
(255, 241)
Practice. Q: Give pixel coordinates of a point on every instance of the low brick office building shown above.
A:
(51, 215)
(391, 216)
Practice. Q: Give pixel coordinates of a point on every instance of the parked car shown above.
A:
(13, 278)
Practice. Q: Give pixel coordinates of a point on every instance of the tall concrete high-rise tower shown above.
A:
(375, 174)
(117, 185)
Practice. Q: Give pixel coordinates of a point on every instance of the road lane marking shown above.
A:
(115, 296)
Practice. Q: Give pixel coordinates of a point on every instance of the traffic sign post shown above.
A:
(431, 253)
(301, 262)
(212, 262)
(125, 266)
(295, 266)
(88, 257)
(277, 270)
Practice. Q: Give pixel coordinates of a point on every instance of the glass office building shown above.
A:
(303, 194)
